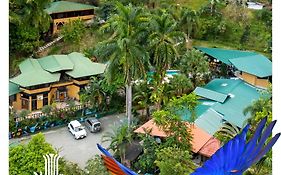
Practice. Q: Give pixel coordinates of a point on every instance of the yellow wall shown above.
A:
(66, 20)
(17, 103)
(30, 104)
(255, 81)
(262, 83)
(249, 78)
(83, 82)
(52, 95)
(72, 91)
(35, 91)
(39, 101)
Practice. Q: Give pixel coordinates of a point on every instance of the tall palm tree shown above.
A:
(188, 20)
(164, 39)
(123, 51)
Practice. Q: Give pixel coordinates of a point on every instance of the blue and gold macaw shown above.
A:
(235, 157)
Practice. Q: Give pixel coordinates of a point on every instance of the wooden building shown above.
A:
(251, 67)
(49, 79)
(62, 12)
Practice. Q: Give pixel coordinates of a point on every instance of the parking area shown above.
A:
(79, 151)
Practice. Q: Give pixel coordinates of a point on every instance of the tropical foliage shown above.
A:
(27, 159)
(122, 50)
(195, 66)
(25, 27)
(119, 138)
(73, 32)
(173, 160)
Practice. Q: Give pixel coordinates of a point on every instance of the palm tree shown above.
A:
(164, 39)
(227, 132)
(142, 97)
(123, 51)
(118, 139)
(163, 44)
(188, 20)
(94, 95)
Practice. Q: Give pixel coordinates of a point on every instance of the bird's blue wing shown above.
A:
(237, 155)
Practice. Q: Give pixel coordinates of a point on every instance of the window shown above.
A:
(71, 126)
(90, 123)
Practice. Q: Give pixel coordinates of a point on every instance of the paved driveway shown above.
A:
(79, 151)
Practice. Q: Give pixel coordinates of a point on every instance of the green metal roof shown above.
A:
(224, 54)
(224, 86)
(13, 89)
(210, 94)
(257, 65)
(33, 74)
(240, 94)
(54, 63)
(200, 109)
(83, 66)
(66, 6)
(210, 121)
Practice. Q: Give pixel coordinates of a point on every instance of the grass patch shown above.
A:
(193, 4)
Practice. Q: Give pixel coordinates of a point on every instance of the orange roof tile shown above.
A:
(210, 147)
(200, 137)
(155, 130)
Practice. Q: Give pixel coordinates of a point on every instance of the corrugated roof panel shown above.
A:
(232, 109)
(224, 54)
(83, 66)
(13, 89)
(210, 121)
(210, 94)
(66, 6)
(257, 65)
(224, 86)
(55, 63)
(33, 74)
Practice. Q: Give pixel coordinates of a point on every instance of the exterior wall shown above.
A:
(39, 101)
(30, 103)
(262, 83)
(66, 20)
(83, 82)
(72, 91)
(52, 95)
(249, 78)
(35, 91)
(255, 81)
(17, 103)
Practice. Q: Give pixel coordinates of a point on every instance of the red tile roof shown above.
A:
(202, 142)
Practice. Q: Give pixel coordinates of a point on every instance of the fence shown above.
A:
(39, 114)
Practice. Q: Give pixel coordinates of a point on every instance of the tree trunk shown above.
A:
(129, 102)
(147, 112)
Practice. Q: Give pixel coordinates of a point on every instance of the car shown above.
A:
(76, 129)
(93, 124)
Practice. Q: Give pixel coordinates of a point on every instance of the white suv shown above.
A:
(76, 129)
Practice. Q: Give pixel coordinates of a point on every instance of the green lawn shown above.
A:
(193, 4)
